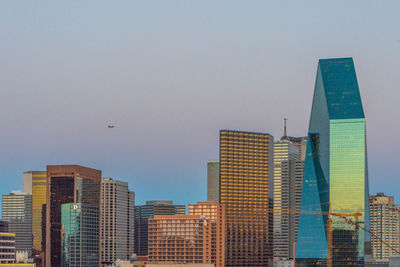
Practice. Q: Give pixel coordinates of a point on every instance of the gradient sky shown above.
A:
(171, 74)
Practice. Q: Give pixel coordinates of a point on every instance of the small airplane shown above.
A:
(110, 126)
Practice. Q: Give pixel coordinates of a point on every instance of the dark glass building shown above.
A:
(335, 172)
(3, 226)
(143, 213)
(67, 184)
(79, 235)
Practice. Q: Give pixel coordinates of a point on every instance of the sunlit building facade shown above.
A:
(215, 213)
(246, 191)
(35, 183)
(288, 178)
(335, 172)
(7, 248)
(384, 221)
(213, 180)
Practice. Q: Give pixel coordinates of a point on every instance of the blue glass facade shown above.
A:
(79, 235)
(335, 170)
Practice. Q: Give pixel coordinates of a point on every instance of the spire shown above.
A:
(284, 137)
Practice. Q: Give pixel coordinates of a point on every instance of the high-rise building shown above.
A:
(288, 177)
(246, 190)
(384, 223)
(215, 213)
(335, 173)
(3, 226)
(7, 248)
(143, 213)
(35, 183)
(67, 184)
(17, 211)
(79, 235)
(179, 239)
(117, 221)
(213, 180)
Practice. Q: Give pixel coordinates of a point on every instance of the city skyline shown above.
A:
(163, 81)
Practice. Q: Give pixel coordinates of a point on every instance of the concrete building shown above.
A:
(67, 184)
(288, 178)
(117, 221)
(7, 251)
(179, 239)
(213, 180)
(143, 213)
(215, 213)
(384, 223)
(34, 182)
(246, 191)
(17, 211)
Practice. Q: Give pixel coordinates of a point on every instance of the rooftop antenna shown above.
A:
(284, 130)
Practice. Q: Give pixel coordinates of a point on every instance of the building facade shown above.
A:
(179, 239)
(246, 191)
(17, 211)
(3, 226)
(67, 184)
(215, 213)
(35, 184)
(384, 223)
(117, 221)
(288, 178)
(213, 180)
(7, 248)
(335, 174)
(79, 235)
(143, 213)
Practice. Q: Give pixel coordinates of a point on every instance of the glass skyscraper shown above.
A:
(79, 235)
(335, 172)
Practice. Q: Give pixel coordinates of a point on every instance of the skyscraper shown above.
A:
(67, 184)
(35, 183)
(143, 213)
(179, 239)
(213, 180)
(335, 173)
(117, 217)
(17, 211)
(215, 213)
(246, 190)
(79, 235)
(384, 221)
(288, 177)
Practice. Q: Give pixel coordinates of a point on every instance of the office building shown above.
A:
(79, 235)
(3, 226)
(143, 213)
(179, 239)
(384, 223)
(34, 182)
(17, 211)
(7, 248)
(215, 213)
(67, 184)
(335, 173)
(246, 191)
(213, 180)
(117, 221)
(288, 178)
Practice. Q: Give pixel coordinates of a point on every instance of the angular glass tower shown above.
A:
(335, 171)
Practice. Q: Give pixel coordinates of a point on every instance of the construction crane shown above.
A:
(329, 228)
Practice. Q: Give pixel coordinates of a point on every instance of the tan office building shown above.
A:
(215, 212)
(246, 190)
(179, 239)
(384, 223)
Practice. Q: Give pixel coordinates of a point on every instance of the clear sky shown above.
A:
(171, 74)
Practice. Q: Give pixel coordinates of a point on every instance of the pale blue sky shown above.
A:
(170, 74)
